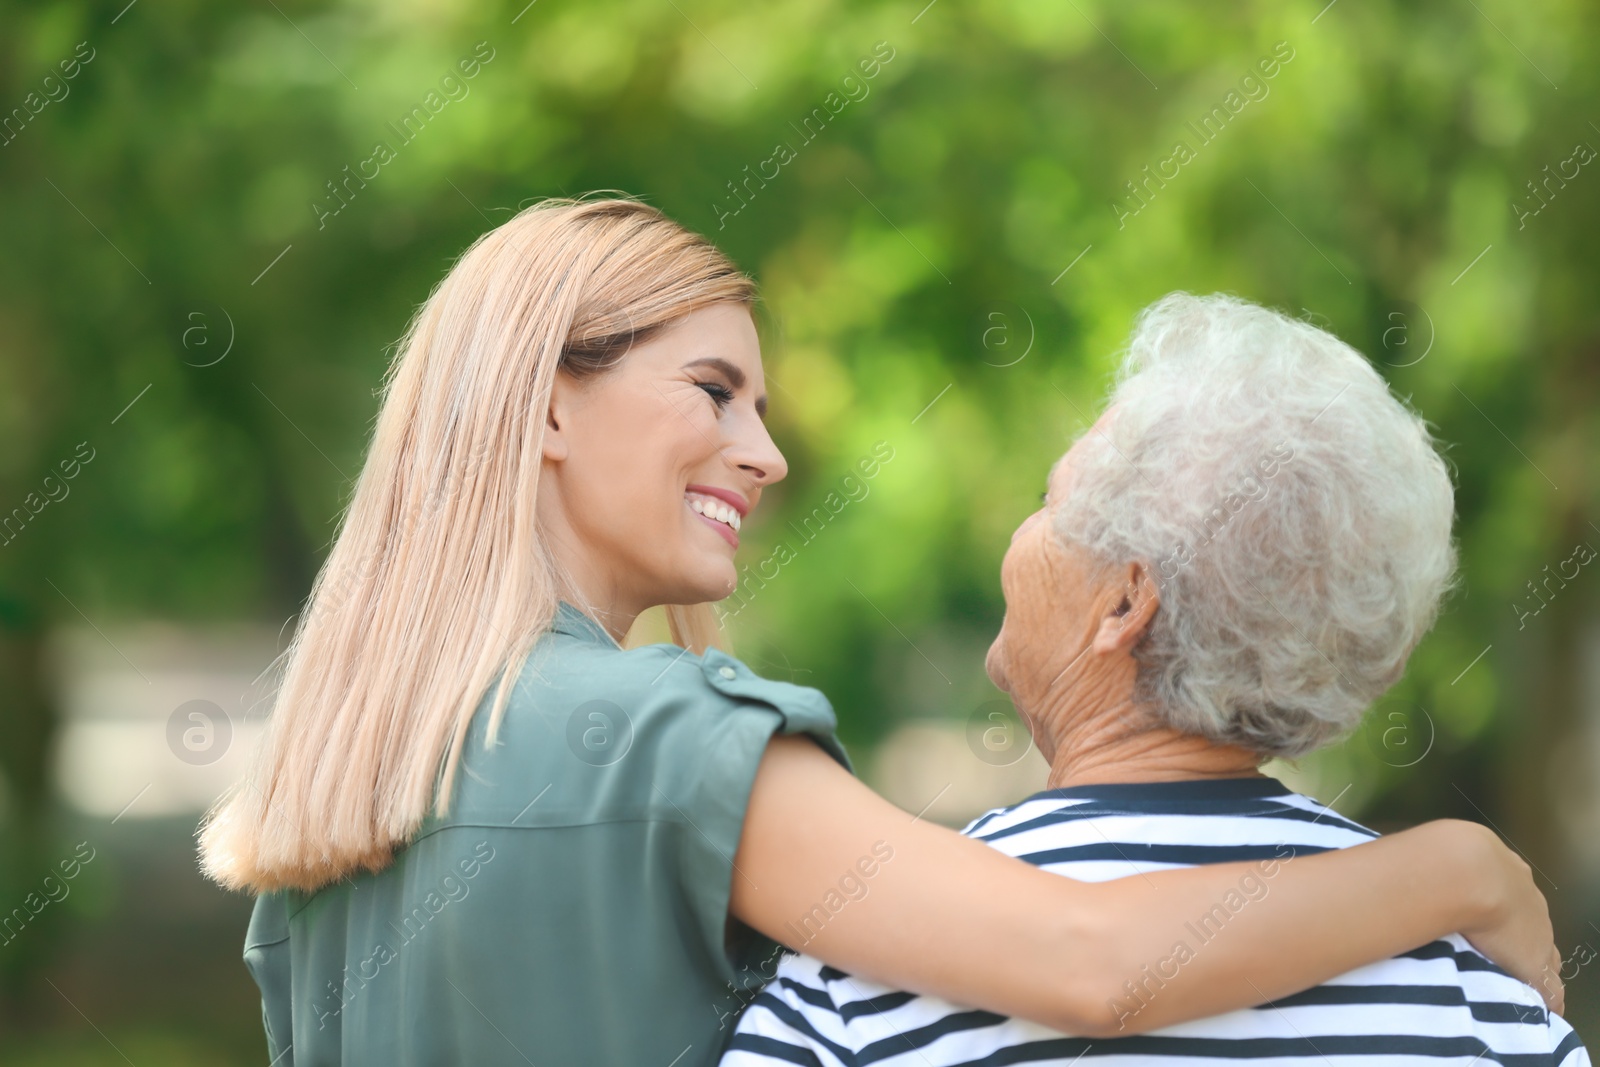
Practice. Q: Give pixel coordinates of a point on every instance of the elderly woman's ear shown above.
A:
(1129, 602)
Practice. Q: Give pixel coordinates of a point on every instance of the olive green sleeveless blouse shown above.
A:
(573, 906)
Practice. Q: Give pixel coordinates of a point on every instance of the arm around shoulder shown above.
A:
(943, 914)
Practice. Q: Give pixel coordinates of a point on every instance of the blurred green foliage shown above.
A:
(950, 254)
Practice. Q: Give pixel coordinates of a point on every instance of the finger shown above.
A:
(1552, 989)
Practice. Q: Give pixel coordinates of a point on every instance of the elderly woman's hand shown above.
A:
(1513, 928)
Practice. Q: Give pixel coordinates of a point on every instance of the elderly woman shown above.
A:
(1232, 564)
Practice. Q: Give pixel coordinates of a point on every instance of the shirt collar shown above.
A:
(574, 623)
(1250, 787)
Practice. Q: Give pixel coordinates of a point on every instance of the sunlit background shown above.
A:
(216, 218)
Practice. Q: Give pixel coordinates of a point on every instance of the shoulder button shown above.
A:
(727, 672)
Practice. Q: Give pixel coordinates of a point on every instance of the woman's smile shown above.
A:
(721, 509)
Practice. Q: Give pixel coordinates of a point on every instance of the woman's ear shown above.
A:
(1128, 618)
(557, 419)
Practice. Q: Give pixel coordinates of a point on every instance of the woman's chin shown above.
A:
(708, 581)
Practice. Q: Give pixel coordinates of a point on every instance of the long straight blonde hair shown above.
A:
(439, 578)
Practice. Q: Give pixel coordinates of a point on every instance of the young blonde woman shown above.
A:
(483, 832)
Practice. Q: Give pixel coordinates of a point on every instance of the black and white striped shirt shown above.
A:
(1442, 1002)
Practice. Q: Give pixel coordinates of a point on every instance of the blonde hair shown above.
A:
(439, 578)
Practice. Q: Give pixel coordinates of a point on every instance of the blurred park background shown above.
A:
(217, 217)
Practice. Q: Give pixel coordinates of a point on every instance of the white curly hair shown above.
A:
(1294, 514)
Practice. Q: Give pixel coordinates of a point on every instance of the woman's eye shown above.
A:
(721, 394)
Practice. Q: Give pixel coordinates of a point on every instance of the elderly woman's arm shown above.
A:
(947, 915)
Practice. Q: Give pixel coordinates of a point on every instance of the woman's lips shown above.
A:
(722, 509)
(722, 528)
(727, 496)
(712, 511)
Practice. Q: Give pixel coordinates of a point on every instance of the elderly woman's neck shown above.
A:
(1111, 749)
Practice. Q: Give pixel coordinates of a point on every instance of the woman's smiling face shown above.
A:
(651, 468)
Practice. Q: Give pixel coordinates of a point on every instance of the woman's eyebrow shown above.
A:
(734, 375)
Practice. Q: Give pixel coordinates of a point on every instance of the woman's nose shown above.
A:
(754, 452)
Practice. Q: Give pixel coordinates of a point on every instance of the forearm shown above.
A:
(1185, 944)
(949, 916)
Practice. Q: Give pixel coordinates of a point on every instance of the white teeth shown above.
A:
(713, 510)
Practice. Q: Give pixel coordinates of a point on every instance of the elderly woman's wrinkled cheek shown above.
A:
(1031, 577)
